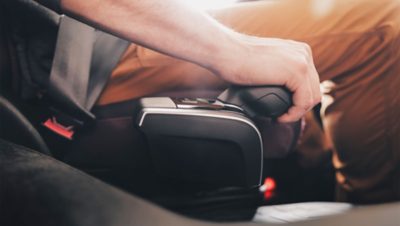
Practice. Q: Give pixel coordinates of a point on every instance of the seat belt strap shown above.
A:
(70, 71)
(82, 65)
(107, 52)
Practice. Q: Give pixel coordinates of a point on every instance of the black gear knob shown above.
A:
(264, 101)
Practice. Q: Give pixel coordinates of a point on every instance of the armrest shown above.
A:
(211, 141)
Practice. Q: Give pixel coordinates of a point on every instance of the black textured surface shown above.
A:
(16, 128)
(223, 152)
(38, 190)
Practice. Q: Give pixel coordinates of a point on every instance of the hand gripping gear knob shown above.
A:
(264, 101)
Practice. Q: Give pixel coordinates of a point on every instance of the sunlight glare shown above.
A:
(322, 7)
(210, 4)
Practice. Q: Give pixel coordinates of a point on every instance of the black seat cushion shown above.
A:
(36, 189)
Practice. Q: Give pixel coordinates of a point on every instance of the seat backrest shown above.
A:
(4, 55)
(14, 126)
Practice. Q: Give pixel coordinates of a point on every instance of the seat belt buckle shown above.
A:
(62, 125)
(64, 131)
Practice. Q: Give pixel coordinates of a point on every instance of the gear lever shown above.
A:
(265, 101)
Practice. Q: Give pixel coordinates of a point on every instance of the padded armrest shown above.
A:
(201, 141)
(218, 142)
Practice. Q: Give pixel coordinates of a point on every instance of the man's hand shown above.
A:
(174, 28)
(260, 61)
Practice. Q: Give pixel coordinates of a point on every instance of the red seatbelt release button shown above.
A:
(64, 131)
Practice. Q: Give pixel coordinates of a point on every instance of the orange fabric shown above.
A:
(356, 47)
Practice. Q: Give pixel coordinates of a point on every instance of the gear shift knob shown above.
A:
(265, 101)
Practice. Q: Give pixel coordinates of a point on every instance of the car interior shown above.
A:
(182, 158)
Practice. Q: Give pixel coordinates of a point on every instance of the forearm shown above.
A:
(165, 26)
(173, 28)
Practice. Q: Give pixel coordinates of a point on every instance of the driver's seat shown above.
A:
(38, 190)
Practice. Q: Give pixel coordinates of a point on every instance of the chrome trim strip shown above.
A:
(205, 113)
(232, 106)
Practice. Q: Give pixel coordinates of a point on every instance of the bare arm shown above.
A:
(174, 28)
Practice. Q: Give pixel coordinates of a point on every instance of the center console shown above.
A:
(211, 141)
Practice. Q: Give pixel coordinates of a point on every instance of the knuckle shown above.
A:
(305, 106)
(307, 52)
(241, 79)
(302, 66)
(310, 103)
(307, 47)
